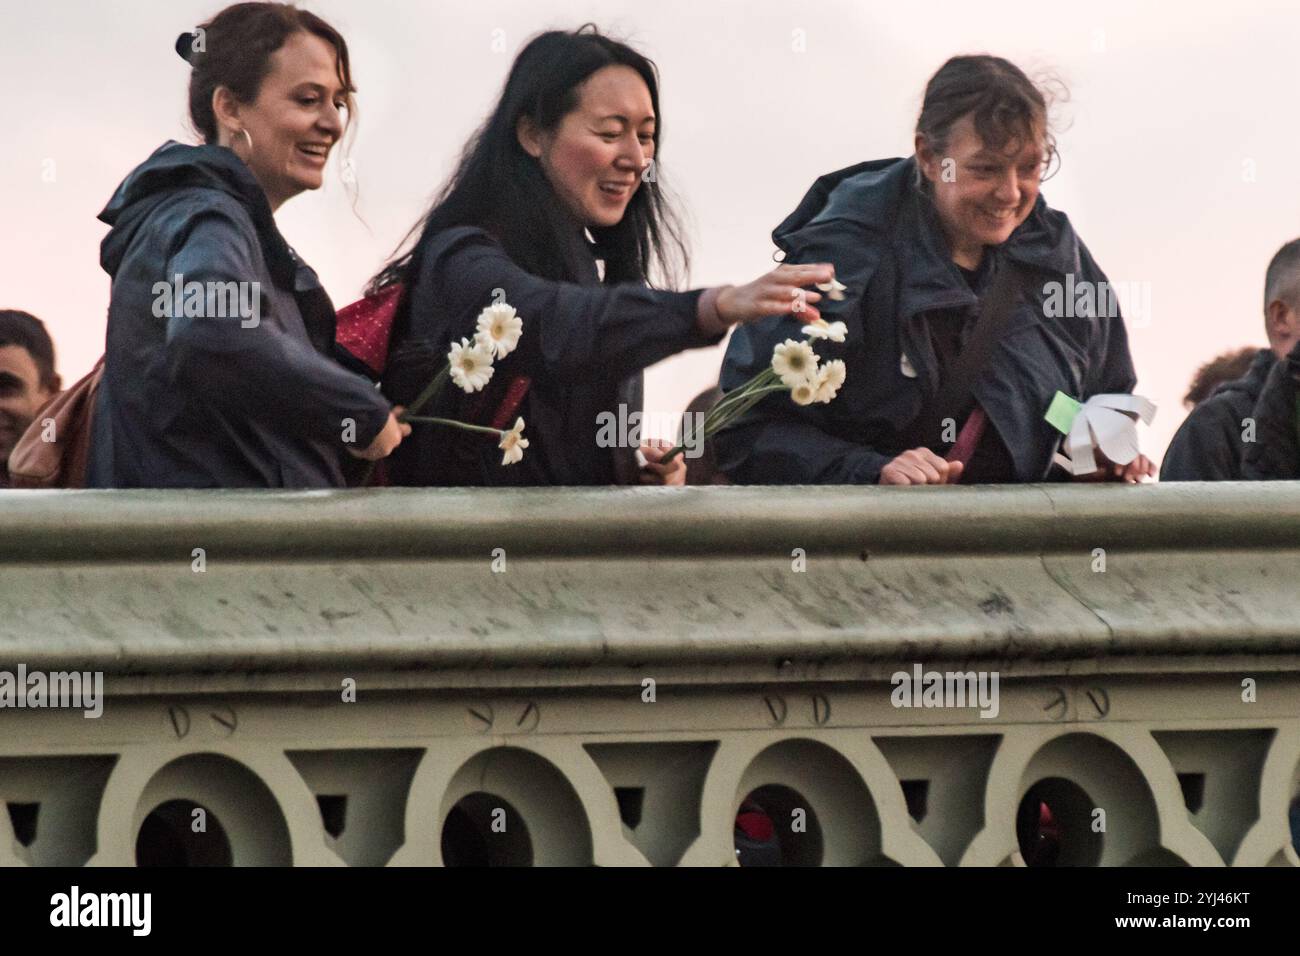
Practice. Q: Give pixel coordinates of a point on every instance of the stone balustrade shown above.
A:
(607, 676)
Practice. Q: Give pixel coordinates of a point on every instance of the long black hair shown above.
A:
(497, 186)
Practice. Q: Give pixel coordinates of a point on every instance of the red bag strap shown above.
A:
(514, 397)
(365, 328)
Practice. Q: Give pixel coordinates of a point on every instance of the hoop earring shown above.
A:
(248, 136)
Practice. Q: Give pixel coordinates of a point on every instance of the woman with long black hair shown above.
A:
(557, 209)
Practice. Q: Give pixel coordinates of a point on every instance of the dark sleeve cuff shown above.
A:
(704, 314)
(371, 422)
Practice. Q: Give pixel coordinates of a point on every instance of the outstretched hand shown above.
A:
(781, 291)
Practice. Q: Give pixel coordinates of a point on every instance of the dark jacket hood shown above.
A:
(172, 168)
(883, 235)
(184, 403)
(861, 210)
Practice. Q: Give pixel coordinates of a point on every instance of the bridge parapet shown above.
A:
(605, 676)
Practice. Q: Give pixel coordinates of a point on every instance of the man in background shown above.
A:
(1219, 370)
(1211, 441)
(27, 378)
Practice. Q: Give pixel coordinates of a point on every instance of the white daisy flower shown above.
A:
(829, 379)
(471, 365)
(513, 443)
(821, 329)
(804, 393)
(834, 290)
(795, 362)
(499, 328)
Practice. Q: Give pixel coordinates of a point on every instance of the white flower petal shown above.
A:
(804, 393)
(821, 329)
(513, 443)
(470, 365)
(795, 362)
(499, 328)
(829, 379)
(834, 290)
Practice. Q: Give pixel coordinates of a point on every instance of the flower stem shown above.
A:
(428, 394)
(429, 420)
(718, 418)
(421, 400)
(732, 405)
(738, 396)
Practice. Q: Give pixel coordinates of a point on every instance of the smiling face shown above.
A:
(297, 117)
(595, 157)
(991, 191)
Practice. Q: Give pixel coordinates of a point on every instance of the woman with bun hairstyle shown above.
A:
(219, 367)
(557, 208)
(946, 248)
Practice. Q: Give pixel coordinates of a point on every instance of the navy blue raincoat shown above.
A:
(241, 401)
(1274, 455)
(1208, 445)
(584, 346)
(883, 236)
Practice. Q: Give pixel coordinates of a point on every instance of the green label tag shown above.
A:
(1060, 414)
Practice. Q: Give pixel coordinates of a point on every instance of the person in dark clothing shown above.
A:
(557, 210)
(27, 378)
(1274, 452)
(703, 469)
(219, 368)
(1208, 445)
(919, 243)
(1219, 370)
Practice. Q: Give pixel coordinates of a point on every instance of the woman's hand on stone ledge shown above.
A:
(1133, 473)
(920, 466)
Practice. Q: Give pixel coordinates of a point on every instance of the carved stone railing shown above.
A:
(603, 676)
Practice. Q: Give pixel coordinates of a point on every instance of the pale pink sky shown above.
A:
(1179, 141)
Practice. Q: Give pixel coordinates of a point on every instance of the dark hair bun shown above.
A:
(185, 47)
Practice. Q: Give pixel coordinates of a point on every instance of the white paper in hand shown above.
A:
(1104, 423)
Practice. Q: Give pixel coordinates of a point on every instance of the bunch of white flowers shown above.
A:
(795, 368)
(498, 331)
(470, 367)
(799, 369)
